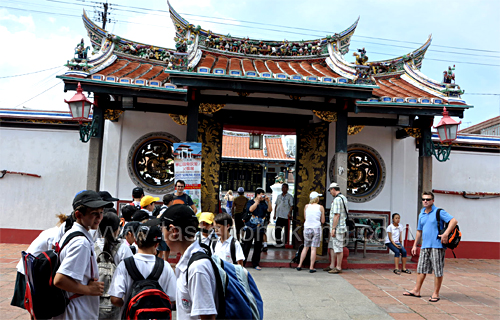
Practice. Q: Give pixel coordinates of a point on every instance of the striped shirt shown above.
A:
(338, 207)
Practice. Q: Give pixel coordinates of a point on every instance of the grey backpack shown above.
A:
(107, 267)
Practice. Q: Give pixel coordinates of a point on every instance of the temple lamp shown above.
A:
(79, 107)
(447, 130)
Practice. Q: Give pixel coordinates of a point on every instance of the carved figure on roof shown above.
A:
(364, 75)
(81, 51)
(449, 75)
(361, 58)
(280, 178)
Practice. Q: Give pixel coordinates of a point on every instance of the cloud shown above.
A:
(25, 21)
(51, 19)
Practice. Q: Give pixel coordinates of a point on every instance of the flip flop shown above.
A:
(258, 268)
(406, 271)
(434, 299)
(409, 294)
(298, 269)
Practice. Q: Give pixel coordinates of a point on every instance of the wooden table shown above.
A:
(363, 227)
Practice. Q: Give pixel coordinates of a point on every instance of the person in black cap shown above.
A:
(137, 194)
(180, 224)
(148, 238)
(106, 196)
(78, 272)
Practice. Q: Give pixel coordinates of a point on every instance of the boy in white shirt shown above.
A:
(196, 294)
(78, 273)
(226, 247)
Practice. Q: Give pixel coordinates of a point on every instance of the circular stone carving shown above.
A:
(365, 173)
(151, 163)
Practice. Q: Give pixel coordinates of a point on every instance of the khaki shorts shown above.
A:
(337, 243)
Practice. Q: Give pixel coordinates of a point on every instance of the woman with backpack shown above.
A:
(143, 265)
(110, 251)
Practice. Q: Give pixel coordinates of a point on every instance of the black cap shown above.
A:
(140, 215)
(90, 199)
(106, 196)
(179, 215)
(153, 233)
(132, 226)
(137, 192)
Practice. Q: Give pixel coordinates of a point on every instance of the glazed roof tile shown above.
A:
(261, 66)
(239, 147)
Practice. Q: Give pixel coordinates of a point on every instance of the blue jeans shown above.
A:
(396, 251)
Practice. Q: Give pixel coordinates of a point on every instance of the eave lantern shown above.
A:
(80, 107)
(447, 129)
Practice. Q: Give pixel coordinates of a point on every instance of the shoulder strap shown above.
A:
(232, 248)
(345, 209)
(214, 243)
(438, 219)
(132, 269)
(70, 237)
(157, 270)
(195, 257)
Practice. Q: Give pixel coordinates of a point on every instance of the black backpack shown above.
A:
(42, 299)
(296, 259)
(232, 249)
(453, 238)
(147, 298)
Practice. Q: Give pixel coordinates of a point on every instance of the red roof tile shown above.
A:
(239, 147)
(127, 69)
(286, 68)
(248, 65)
(221, 63)
(273, 67)
(115, 66)
(139, 71)
(153, 72)
(235, 64)
(325, 71)
(207, 61)
(261, 67)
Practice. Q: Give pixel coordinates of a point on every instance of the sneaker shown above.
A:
(312, 270)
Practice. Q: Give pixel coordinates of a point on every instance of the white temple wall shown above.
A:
(479, 219)
(117, 143)
(58, 157)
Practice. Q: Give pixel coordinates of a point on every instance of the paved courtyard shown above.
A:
(471, 290)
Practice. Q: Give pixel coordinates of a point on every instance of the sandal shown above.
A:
(396, 271)
(406, 271)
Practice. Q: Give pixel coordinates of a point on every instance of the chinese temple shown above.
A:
(363, 124)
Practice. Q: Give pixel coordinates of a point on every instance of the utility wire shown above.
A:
(38, 95)
(474, 63)
(483, 94)
(25, 74)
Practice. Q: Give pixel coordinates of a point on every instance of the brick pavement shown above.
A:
(471, 289)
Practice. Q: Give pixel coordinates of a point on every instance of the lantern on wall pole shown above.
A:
(80, 107)
(447, 130)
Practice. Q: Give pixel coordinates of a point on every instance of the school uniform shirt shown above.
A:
(121, 285)
(42, 243)
(223, 250)
(199, 295)
(283, 205)
(122, 253)
(395, 233)
(78, 261)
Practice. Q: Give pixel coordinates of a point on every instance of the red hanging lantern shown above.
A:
(447, 128)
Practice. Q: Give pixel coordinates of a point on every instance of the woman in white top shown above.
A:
(314, 217)
(393, 241)
(148, 239)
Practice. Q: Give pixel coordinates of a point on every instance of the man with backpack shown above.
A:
(338, 228)
(432, 251)
(78, 274)
(137, 194)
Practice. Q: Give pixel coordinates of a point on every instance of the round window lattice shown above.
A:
(151, 163)
(365, 173)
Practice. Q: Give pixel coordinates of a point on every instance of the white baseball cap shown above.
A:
(333, 185)
(314, 194)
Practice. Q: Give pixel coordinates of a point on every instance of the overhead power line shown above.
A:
(58, 83)
(25, 74)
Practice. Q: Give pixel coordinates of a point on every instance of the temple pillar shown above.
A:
(341, 151)
(95, 150)
(424, 161)
(192, 117)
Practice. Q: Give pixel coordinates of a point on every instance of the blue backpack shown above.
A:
(239, 297)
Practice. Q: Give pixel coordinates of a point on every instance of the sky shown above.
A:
(40, 35)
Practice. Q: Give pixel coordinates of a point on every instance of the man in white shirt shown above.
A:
(78, 273)
(283, 214)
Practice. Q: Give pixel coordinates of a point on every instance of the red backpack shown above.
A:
(147, 299)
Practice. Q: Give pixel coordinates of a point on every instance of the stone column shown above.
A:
(95, 152)
(424, 162)
(192, 117)
(341, 150)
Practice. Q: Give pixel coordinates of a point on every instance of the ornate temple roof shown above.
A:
(201, 52)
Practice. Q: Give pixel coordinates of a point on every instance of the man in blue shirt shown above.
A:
(259, 208)
(432, 251)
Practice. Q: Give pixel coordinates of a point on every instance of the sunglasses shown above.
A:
(426, 199)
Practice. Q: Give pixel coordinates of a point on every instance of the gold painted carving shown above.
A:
(209, 108)
(210, 135)
(296, 98)
(312, 163)
(328, 116)
(112, 115)
(243, 94)
(352, 130)
(414, 132)
(47, 121)
(180, 119)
